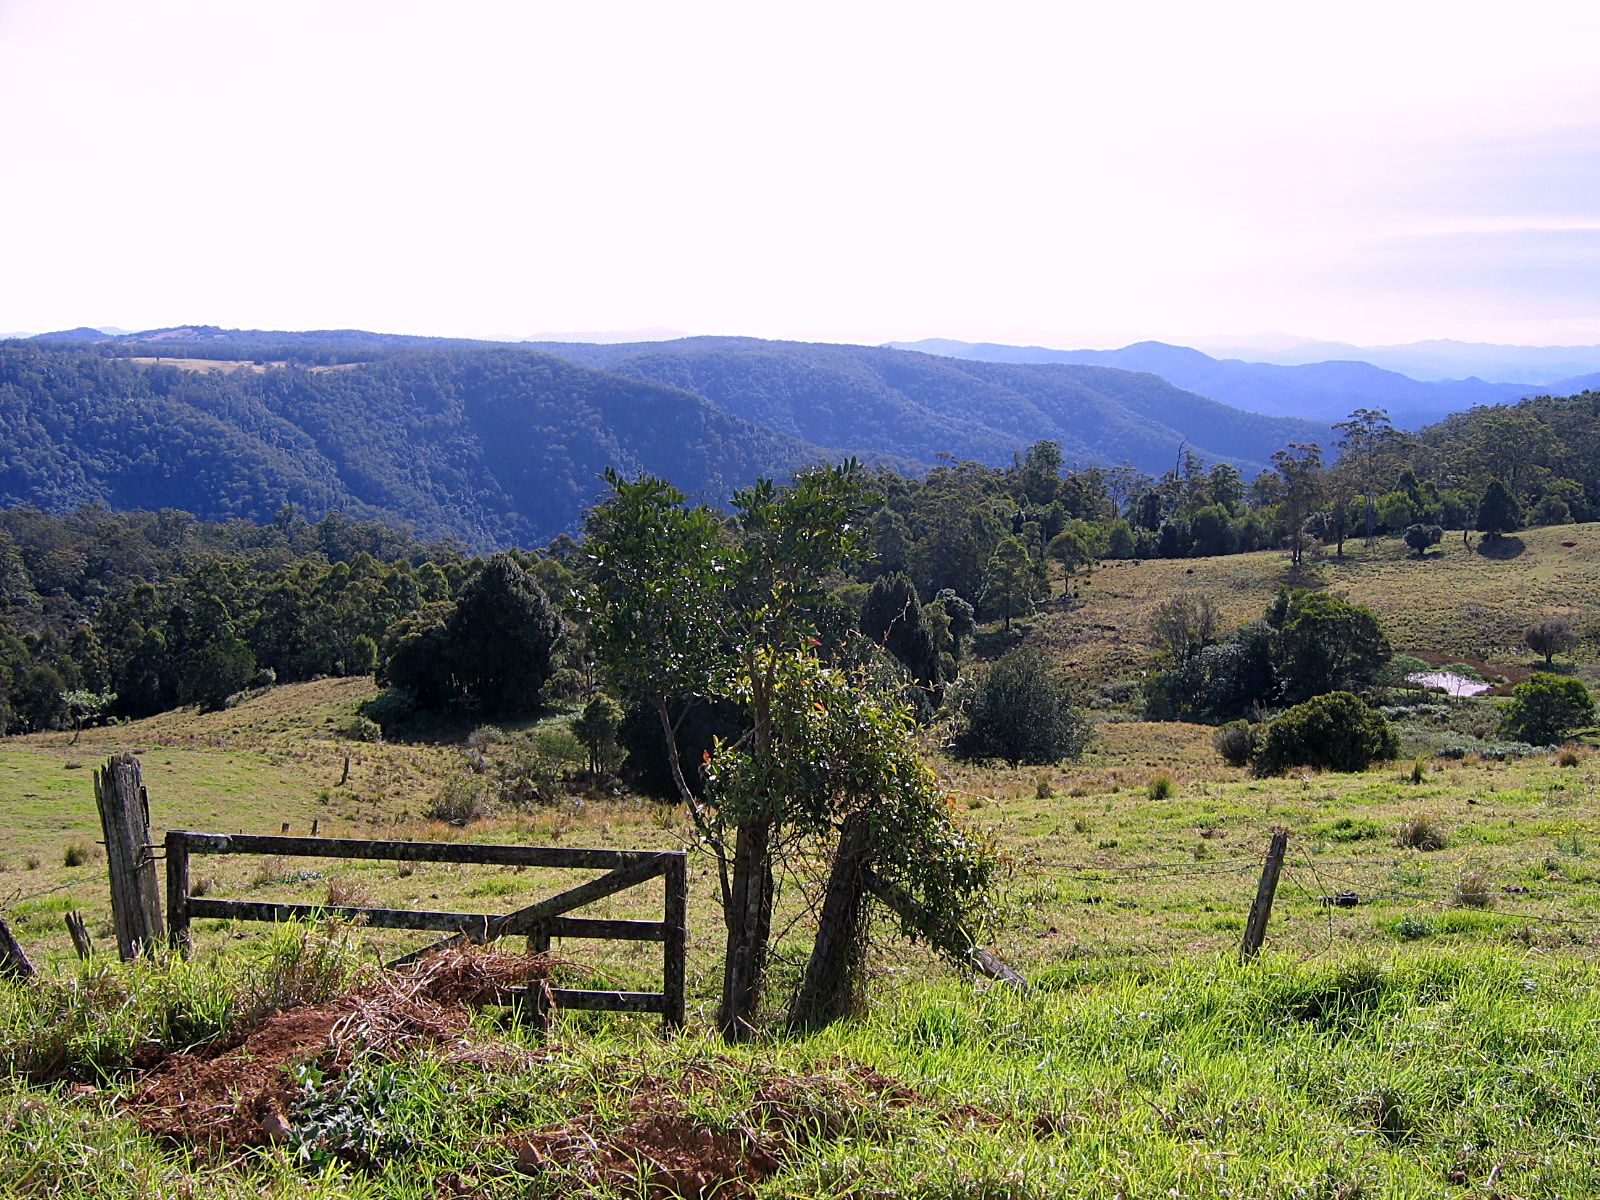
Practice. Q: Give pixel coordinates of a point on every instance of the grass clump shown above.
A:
(77, 854)
(1161, 786)
(1474, 889)
(1423, 832)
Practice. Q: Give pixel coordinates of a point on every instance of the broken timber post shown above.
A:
(125, 818)
(1255, 929)
(178, 891)
(80, 934)
(14, 962)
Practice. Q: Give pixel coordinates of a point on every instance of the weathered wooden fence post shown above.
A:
(14, 962)
(125, 818)
(79, 933)
(1255, 929)
(178, 891)
(675, 942)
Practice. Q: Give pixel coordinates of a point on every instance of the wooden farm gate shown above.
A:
(540, 922)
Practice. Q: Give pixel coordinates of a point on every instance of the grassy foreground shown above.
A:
(1440, 1074)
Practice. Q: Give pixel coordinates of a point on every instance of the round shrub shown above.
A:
(1022, 713)
(1546, 708)
(1336, 732)
(1236, 742)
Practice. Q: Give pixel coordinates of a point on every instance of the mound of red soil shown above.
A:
(240, 1094)
(665, 1153)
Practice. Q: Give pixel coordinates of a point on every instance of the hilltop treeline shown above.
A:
(161, 608)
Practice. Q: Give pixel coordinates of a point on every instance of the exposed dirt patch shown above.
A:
(665, 1152)
(238, 1094)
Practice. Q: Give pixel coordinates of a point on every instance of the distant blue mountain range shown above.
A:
(1318, 391)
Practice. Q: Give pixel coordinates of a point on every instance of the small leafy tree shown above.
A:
(1022, 712)
(1009, 579)
(1550, 637)
(501, 638)
(1547, 708)
(597, 727)
(1185, 625)
(1498, 511)
(1325, 644)
(1073, 553)
(1336, 732)
(85, 707)
(1421, 537)
(848, 757)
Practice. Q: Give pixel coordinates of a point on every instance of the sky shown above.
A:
(1065, 174)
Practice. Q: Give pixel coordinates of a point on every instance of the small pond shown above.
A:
(1450, 682)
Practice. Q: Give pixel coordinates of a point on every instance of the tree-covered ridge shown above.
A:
(921, 407)
(494, 447)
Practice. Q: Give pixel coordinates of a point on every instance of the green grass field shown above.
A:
(1437, 1037)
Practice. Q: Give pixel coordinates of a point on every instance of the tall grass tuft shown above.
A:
(1422, 832)
(104, 1016)
(1161, 786)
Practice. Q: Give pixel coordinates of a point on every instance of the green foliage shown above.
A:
(1236, 742)
(1498, 511)
(500, 640)
(1325, 644)
(1336, 732)
(1547, 708)
(1550, 637)
(1022, 712)
(597, 728)
(836, 747)
(893, 618)
(1011, 580)
(1421, 537)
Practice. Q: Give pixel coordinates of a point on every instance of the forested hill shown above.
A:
(493, 447)
(918, 406)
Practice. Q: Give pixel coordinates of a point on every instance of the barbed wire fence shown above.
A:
(1331, 884)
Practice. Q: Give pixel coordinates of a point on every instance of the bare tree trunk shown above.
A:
(831, 988)
(749, 921)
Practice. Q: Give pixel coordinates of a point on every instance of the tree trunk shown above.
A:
(832, 984)
(749, 921)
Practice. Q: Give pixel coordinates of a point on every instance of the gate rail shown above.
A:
(540, 921)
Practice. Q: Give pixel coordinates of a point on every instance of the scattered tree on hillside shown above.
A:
(1550, 637)
(1498, 511)
(1367, 439)
(1022, 712)
(1325, 644)
(1299, 468)
(1420, 537)
(1185, 625)
(1547, 708)
(1010, 579)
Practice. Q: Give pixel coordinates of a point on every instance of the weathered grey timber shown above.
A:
(79, 933)
(125, 819)
(14, 962)
(1255, 929)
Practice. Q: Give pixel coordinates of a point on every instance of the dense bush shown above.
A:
(1022, 712)
(1547, 708)
(1336, 732)
(1236, 742)
(1325, 644)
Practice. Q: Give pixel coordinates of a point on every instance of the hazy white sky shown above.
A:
(1063, 173)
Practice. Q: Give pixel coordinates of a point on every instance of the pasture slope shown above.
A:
(1432, 1035)
(1455, 605)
